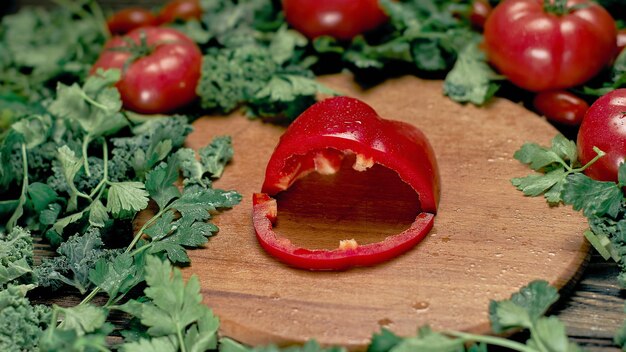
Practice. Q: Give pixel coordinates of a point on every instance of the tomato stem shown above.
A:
(556, 7)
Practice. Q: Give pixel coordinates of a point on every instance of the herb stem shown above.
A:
(600, 154)
(491, 340)
(140, 249)
(181, 341)
(90, 296)
(92, 101)
(19, 210)
(105, 172)
(86, 142)
(144, 227)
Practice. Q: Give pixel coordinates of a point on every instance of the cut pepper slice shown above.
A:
(317, 141)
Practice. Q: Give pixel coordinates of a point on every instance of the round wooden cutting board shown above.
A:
(488, 239)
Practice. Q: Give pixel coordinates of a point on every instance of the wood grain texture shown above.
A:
(488, 238)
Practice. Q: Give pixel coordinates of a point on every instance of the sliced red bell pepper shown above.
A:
(317, 141)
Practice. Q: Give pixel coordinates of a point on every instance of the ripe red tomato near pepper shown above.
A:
(561, 106)
(160, 69)
(131, 18)
(480, 11)
(604, 126)
(341, 19)
(180, 10)
(538, 48)
(317, 141)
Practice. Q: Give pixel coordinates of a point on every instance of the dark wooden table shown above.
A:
(592, 309)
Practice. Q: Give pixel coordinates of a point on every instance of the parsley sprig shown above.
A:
(603, 203)
(555, 165)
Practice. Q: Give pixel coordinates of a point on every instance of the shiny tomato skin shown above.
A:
(341, 19)
(541, 51)
(561, 107)
(180, 10)
(481, 9)
(604, 126)
(163, 80)
(130, 18)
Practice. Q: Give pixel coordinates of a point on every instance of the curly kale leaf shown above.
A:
(21, 323)
(152, 142)
(77, 256)
(16, 255)
(231, 77)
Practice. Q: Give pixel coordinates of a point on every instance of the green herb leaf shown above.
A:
(159, 344)
(471, 78)
(524, 307)
(383, 341)
(551, 336)
(174, 303)
(98, 214)
(534, 185)
(95, 106)
(429, 341)
(33, 129)
(70, 165)
(118, 275)
(593, 197)
(160, 183)
(126, 196)
(83, 318)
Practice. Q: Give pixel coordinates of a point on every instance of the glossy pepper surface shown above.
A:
(317, 141)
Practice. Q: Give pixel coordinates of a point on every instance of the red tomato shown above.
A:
(180, 10)
(604, 126)
(341, 19)
(481, 9)
(128, 19)
(539, 51)
(561, 107)
(162, 80)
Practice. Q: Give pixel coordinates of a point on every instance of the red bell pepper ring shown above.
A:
(317, 141)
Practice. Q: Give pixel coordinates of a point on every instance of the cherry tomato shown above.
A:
(128, 19)
(180, 10)
(604, 126)
(481, 9)
(341, 19)
(561, 107)
(538, 50)
(161, 80)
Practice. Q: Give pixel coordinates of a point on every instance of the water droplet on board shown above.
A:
(259, 311)
(420, 306)
(499, 255)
